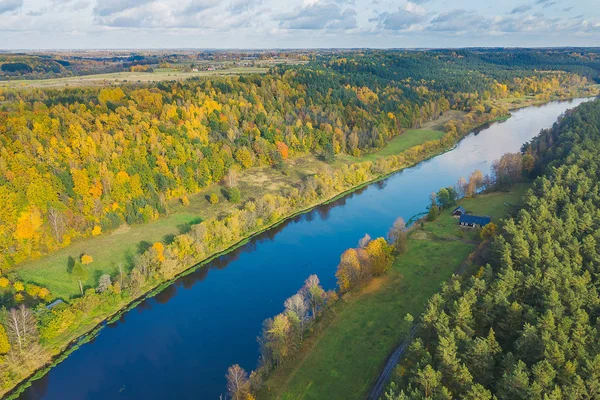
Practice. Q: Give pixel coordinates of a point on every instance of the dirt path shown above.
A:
(390, 364)
(393, 359)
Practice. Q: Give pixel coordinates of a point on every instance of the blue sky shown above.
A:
(54, 24)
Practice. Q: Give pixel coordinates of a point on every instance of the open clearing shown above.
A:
(404, 142)
(345, 357)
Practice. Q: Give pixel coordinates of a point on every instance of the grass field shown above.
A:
(404, 142)
(117, 78)
(346, 357)
(119, 247)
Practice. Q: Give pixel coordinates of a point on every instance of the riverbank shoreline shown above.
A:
(94, 331)
(399, 292)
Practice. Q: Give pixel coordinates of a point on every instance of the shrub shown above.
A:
(433, 213)
(97, 230)
(110, 221)
(488, 231)
(213, 198)
(234, 195)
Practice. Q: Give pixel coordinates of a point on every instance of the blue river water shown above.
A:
(179, 344)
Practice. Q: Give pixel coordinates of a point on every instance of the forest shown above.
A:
(78, 162)
(83, 162)
(525, 326)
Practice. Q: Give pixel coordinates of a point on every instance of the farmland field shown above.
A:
(118, 78)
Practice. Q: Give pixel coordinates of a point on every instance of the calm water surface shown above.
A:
(179, 344)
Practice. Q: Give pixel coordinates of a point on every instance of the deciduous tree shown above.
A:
(397, 235)
(22, 328)
(238, 384)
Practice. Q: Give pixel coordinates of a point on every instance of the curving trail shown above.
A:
(391, 362)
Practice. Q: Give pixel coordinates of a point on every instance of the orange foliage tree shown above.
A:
(282, 148)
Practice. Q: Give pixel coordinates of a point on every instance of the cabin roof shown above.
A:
(459, 209)
(474, 219)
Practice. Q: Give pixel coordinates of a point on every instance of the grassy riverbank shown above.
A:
(351, 344)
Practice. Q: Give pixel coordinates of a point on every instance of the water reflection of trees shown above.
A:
(189, 280)
(165, 295)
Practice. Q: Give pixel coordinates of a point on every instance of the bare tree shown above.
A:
(433, 199)
(56, 219)
(231, 178)
(145, 262)
(121, 274)
(313, 293)
(508, 169)
(397, 235)
(362, 243)
(461, 187)
(238, 383)
(298, 305)
(22, 328)
(98, 208)
(104, 283)
(475, 183)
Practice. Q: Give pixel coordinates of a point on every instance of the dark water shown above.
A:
(179, 344)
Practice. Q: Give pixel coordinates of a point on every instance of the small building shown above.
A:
(474, 221)
(458, 211)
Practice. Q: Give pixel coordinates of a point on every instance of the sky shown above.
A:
(205, 24)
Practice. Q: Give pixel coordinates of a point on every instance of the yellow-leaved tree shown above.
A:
(159, 248)
(28, 224)
(4, 343)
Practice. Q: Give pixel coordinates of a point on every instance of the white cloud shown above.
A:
(319, 15)
(521, 9)
(405, 17)
(7, 6)
(110, 7)
(275, 23)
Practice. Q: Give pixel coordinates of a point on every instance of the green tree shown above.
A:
(233, 195)
(446, 197)
(80, 273)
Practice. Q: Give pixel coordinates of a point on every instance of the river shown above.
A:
(179, 344)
